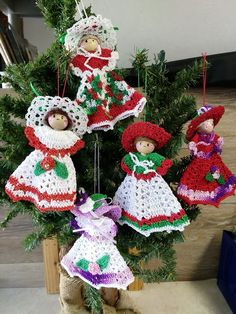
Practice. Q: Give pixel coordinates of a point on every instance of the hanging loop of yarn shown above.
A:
(96, 171)
(34, 89)
(204, 79)
(58, 79)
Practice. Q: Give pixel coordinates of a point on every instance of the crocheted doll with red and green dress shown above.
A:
(102, 93)
(206, 180)
(147, 202)
(47, 176)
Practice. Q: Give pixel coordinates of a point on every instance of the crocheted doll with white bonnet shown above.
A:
(206, 180)
(94, 256)
(147, 202)
(47, 176)
(102, 93)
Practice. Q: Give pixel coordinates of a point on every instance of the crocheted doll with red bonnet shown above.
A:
(102, 93)
(147, 202)
(47, 176)
(206, 180)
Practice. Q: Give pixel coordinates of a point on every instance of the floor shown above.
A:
(189, 297)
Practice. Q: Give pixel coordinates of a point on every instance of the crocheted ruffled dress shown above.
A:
(94, 257)
(147, 201)
(102, 93)
(47, 176)
(206, 180)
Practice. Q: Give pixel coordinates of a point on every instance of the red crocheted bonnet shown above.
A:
(204, 113)
(143, 129)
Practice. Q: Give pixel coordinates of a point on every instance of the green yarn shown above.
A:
(221, 180)
(209, 177)
(61, 170)
(38, 169)
(103, 262)
(82, 264)
(154, 157)
(159, 224)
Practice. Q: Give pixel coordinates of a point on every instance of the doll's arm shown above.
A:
(164, 167)
(218, 145)
(162, 164)
(127, 164)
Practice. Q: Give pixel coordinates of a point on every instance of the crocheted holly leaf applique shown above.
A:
(103, 262)
(49, 163)
(82, 264)
(61, 170)
(94, 267)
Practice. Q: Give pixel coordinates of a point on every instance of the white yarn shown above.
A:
(93, 25)
(47, 182)
(109, 124)
(147, 199)
(54, 138)
(40, 106)
(94, 247)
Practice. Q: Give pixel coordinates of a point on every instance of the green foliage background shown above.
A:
(168, 105)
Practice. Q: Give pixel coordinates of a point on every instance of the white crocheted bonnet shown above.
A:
(41, 105)
(93, 25)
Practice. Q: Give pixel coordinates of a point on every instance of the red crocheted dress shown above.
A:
(47, 176)
(102, 93)
(206, 180)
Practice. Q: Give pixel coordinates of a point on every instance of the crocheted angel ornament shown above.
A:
(147, 202)
(102, 93)
(47, 176)
(94, 256)
(206, 180)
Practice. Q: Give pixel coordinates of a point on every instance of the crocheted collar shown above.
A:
(207, 137)
(53, 142)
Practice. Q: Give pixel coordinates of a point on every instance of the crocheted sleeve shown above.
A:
(78, 62)
(162, 164)
(127, 165)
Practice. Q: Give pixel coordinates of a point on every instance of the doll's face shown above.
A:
(206, 126)
(58, 121)
(89, 43)
(144, 145)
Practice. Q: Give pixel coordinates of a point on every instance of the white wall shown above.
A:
(183, 28)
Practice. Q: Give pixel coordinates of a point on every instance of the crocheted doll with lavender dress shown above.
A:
(94, 256)
(206, 180)
(47, 176)
(102, 93)
(147, 202)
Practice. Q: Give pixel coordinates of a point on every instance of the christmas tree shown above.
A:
(168, 105)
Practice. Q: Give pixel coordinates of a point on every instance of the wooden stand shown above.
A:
(51, 261)
(138, 283)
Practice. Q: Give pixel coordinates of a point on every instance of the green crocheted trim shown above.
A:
(154, 157)
(103, 262)
(156, 225)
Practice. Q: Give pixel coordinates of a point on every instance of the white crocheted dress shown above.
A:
(47, 176)
(94, 257)
(148, 204)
